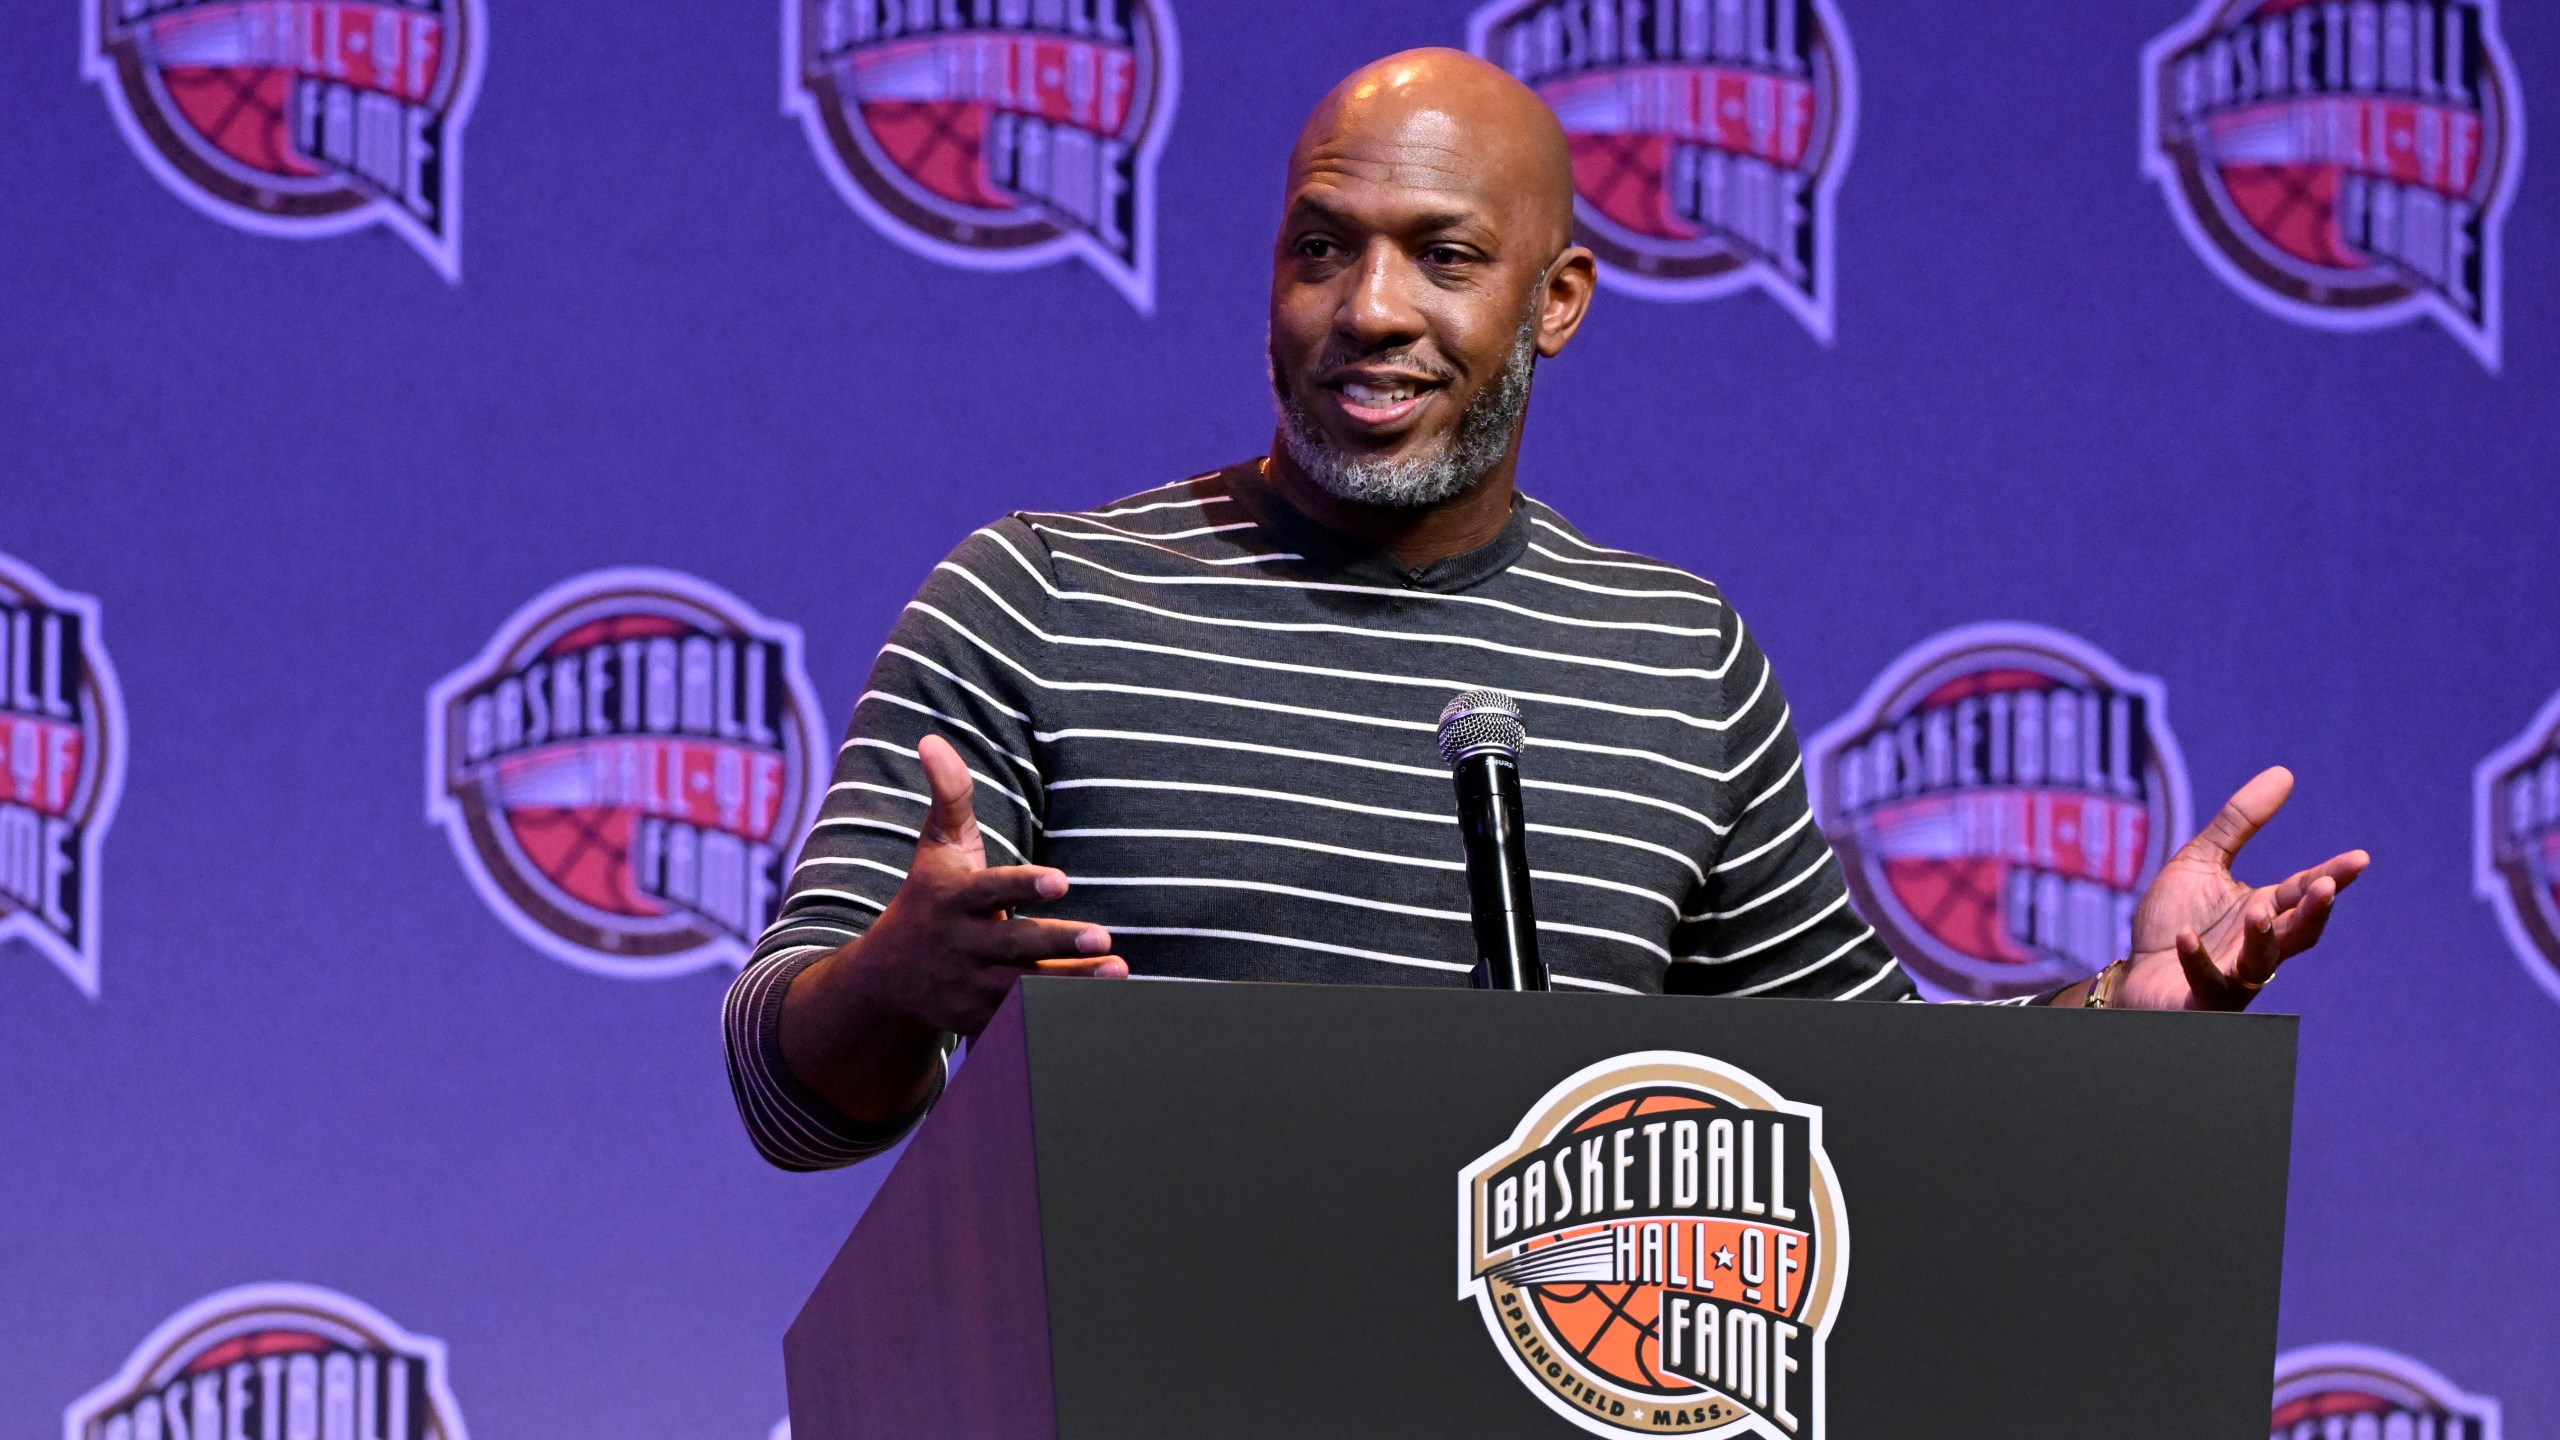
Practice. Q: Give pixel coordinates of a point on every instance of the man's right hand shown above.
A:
(864, 1026)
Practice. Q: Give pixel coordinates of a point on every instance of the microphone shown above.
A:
(1480, 737)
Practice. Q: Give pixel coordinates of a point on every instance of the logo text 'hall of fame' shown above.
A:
(62, 749)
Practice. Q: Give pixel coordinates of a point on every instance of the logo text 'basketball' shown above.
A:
(274, 1360)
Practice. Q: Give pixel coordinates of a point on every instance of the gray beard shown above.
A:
(1482, 437)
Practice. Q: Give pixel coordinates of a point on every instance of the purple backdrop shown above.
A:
(305, 480)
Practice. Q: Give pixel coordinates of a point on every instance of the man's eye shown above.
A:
(1315, 249)
(1444, 255)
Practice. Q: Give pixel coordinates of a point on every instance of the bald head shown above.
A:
(1425, 262)
(1444, 119)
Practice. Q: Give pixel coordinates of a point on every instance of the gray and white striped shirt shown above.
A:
(1217, 718)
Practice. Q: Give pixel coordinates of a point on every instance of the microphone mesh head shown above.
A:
(1481, 720)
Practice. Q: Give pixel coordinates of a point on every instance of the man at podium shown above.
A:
(1189, 734)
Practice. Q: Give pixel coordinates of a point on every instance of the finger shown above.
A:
(2299, 928)
(2259, 952)
(2204, 977)
(2250, 807)
(2339, 870)
(952, 820)
(2290, 891)
(1026, 942)
(1008, 886)
(1107, 967)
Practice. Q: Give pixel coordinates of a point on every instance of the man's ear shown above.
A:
(1565, 297)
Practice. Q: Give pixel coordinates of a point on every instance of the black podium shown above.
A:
(1164, 1210)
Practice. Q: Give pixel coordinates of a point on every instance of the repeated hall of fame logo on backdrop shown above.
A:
(1659, 1249)
(1709, 140)
(2344, 164)
(625, 769)
(2516, 842)
(2356, 1392)
(2000, 798)
(62, 748)
(280, 1362)
(993, 134)
(299, 118)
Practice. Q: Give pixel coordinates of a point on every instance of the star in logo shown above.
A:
(1724, 1257)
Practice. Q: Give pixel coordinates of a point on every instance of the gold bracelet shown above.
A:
(2102, 987)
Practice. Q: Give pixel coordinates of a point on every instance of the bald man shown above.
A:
(1189, 734)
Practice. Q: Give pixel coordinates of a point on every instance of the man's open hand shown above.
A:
(2204, 941)
(949, 948)
(864, 1025)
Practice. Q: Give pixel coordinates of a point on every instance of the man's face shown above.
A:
(1404, 295)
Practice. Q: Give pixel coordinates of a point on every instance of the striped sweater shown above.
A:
(1217, 718)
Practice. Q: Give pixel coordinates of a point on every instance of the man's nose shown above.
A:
(1376, 310)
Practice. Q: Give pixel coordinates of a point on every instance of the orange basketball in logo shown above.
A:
(1614, 1328)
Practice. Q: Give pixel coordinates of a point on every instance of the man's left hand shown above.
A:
(2204, 941)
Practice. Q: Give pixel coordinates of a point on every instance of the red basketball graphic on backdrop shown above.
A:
(1659, 1248)
(2516, 842)
(626, 768)
(62, 755)
(281, 1362)
(2000, 798)
(2343, 165)
(1708, 141)
(993, 136)
(2358, 1392)
(299, 118)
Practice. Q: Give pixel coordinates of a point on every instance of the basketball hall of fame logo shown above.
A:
(299, 118)
(2000, 798)
(2516, 842)
(1708, 140)
(2344, 164)
(2356, 1392)
(62, 744)
(625, 768)
(1659, 1249)
(993, 134)
(275, 1361)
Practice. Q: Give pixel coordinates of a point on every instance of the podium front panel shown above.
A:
(2054, 1223)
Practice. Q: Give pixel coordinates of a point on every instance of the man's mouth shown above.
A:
(1381, 402)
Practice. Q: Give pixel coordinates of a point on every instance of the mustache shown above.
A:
(1337, 357)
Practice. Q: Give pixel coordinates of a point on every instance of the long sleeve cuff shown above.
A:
(792, 1125)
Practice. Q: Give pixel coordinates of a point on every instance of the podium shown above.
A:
(1156, 1210)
